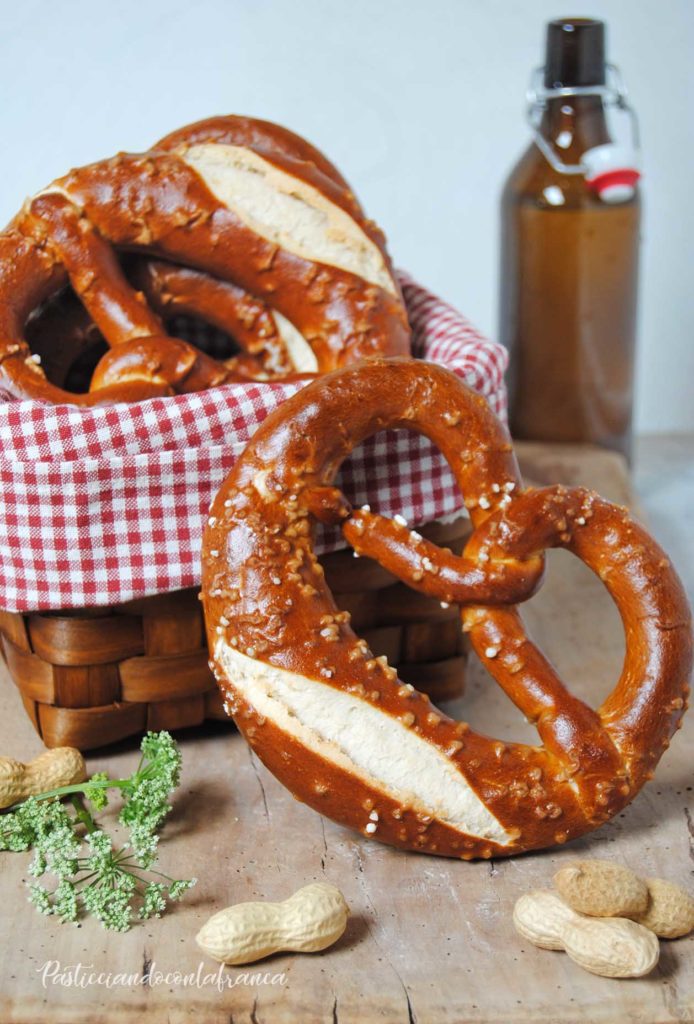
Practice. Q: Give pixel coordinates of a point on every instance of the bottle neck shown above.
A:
(573, 124)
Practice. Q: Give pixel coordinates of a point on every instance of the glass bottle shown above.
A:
(569, 265)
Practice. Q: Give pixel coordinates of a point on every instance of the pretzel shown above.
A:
(335, 724)
(245, 202)
(271, 345)
(62, 333)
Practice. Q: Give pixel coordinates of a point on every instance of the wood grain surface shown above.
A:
(430, 941)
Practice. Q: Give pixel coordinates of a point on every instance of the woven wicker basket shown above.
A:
(91, 677)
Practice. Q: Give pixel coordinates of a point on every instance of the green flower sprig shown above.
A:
(114, 885)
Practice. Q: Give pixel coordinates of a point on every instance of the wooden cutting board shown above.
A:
(430, 941)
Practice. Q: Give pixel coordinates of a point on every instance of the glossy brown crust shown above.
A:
(173, 290)
(264, 593)
(154, 203)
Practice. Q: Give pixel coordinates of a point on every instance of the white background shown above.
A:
(419, 103)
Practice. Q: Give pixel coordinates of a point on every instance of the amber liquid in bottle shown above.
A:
(569, 274)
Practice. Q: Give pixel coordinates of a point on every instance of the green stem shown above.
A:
(81, 787)
(151, 871)
(82, 813)
(78, 787)
(85, 878)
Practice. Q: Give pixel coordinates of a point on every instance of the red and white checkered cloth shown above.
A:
(99, 506)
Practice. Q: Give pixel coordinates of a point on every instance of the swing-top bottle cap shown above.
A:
(575, 54)
(611, 172)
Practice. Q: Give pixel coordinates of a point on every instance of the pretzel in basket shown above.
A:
(262, 229)
(335, 724)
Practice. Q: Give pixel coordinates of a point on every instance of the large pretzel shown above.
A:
(285, 244)
(336, 725)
